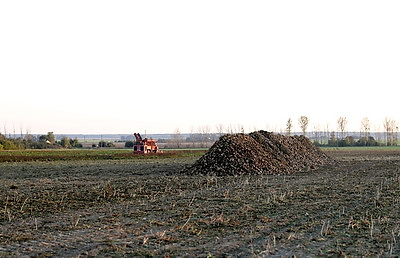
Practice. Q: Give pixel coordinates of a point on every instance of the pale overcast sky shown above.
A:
(130, 66)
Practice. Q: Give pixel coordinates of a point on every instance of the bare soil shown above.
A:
(149, 208)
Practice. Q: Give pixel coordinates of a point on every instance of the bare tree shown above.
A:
(303, 123)
(205, 134)
(342, 123)
(365, 129)
(289, 126)
(332, 139)
(238, 128)
(28, 135)
(377, 128)
(177, 138)
(317, 134)
(386, 125)
(327, 133)
(229, 130)
(220, 129)
(393, 133)
(192, 134)
(391, 129)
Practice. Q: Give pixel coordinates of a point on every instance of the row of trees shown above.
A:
(340, 137)
(202, 137)
(303, 124)
(349, 141)
(46, 141)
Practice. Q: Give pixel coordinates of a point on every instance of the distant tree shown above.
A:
(393, 132)
(303, 123)
(220, 129)
(70, 143)
(106, 144)
(48, 138)
(29, 137)
(342, 123)
(289, 126)
(370, 141)
(317, 135)
(327, 132)
(65, 142)
(332, 139)
(10, 144)
(238, 128)
(51, 137)
(391, 129)
(350, 141)
(102, 144)
(365, 128)
(177, 138)
(20, 128)
(75, 143)
(191, 137)
(386, 126)
(129, 144)
(205, 135)
(43, 138)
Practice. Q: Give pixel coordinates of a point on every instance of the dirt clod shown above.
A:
(259, 152)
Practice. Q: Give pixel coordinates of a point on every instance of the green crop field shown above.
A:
(87, 154)
(367, 148)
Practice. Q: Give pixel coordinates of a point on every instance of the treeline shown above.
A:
(340, 138)
(349, 141)
(46, 141)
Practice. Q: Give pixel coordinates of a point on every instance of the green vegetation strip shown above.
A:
(89, 154)
(361, 148)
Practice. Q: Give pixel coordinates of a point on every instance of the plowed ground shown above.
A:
(147, 207)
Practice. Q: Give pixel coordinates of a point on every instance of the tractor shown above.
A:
(145, 145)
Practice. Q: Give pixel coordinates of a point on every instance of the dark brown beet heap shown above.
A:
(259, 152)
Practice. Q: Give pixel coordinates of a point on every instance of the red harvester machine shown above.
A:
(144, 145)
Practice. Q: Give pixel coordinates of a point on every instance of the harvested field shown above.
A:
(146, 207)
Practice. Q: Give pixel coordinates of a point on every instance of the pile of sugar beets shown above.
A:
(259, 152)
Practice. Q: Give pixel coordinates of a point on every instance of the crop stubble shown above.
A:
(147, 207)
